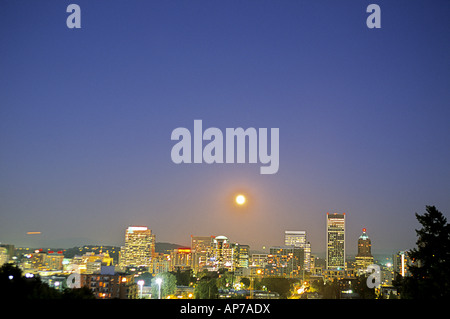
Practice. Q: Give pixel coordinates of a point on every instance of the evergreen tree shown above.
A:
(206, 287)
(430, 277)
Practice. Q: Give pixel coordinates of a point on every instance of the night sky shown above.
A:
(86, 117)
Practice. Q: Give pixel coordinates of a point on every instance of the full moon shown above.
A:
(240, 199)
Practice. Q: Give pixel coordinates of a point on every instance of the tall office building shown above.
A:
(181, 259)
(224, 254)
(335, 257)
(297, 238)
(139, 247)
(285, 261)
(201, 249)
(364, 256)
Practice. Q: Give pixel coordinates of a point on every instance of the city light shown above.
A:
(218, 252)
(159, 282)
(141, 284)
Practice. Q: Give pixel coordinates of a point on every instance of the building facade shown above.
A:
(364, 257)
(181, 259)
(139, 247)
(244, 256)
(335, 255)
(4, 257)
(108, 284)
(160, 263)
(259, 261)
(41, 261)
(91, 262)
(201, 249)
(285, 261)
(224, 254)
(297, 238)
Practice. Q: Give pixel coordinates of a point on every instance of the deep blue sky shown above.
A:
(86, 117)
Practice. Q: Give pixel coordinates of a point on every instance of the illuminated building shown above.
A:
(4, 257)
(259, 260)
(108, 284)
(364, 256)
(335, 256)
(338, 274)
(35, 261)
(139, 247)
(401, 263)
(10, 250)
(91, 262)
(233, 260)
(44, 261)
(181, 259)
(223, 254)
(201, 249)
(54, 261)
(242, 260)
(243, 256)
(297, 238)
(285, 261)
(160, 263)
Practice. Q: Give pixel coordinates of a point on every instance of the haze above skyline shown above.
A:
(86, 118)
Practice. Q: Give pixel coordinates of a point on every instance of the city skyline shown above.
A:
(86, 117)
(290, 237)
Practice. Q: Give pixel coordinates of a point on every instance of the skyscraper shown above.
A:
(364, 256)
(201, 247)
(285, 261)
(297, 238)
(224, 253)
(335, 258)
(139, 247)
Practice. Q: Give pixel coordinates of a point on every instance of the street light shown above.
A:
(140, 283)
(159, 281)
(252, 283)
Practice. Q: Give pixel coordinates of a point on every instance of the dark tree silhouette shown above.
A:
(363, 290)
(14, 285)
(430, 272)
(206, 287)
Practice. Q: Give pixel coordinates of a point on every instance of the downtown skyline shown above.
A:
(348, 251)
(86, 118)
